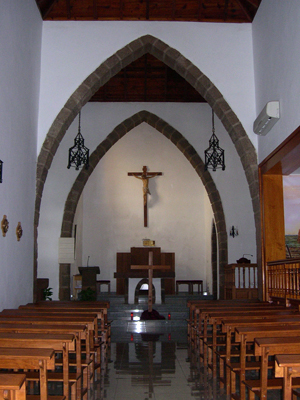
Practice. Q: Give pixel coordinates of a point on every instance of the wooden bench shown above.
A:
(223, 327)
(190, 284)
(79, 331)
(287, 366)
(206, 322)
(39, 359)
(245, 335)
(60, 343)
(265, 347)
(100, 307)
(12, 387)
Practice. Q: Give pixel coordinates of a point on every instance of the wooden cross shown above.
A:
(150, 267)
(145, 176)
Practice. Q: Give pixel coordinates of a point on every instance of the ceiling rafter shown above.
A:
(255, 3)
(68, 5)
(245, 9)
(45, 7)
(158, 10)
(226, 9)
(95, 9)
(200, 10)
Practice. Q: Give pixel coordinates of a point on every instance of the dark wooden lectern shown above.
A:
(89, 277)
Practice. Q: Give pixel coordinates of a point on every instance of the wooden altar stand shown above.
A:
(139, 256)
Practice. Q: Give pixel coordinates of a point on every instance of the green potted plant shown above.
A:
(47, 293)
(87, 295)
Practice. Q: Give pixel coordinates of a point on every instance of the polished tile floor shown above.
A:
(154, 364)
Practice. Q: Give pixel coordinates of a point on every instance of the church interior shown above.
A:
(149, 161)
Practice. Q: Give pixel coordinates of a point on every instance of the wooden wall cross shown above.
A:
(150, 267)
(145, 176)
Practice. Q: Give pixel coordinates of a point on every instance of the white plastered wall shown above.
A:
(276, 42)
(223, 52)
(20, 51)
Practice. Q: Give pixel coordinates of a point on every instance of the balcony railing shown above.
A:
(283, 278)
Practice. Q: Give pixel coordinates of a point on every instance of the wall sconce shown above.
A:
(4, 225)
(19, 231)
(1, 169)
(234, 231)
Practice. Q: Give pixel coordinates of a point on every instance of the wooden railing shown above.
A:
(283, 278)
(241, 281)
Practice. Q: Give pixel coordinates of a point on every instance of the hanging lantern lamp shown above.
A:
(78, 154)
(214, 155)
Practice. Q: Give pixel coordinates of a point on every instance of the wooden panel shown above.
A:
(273, 217)
(169, 259)
(123, 263)
(139, 256)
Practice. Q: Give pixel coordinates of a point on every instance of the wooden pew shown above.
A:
(201, 313)
(46, 321)
(97, 345)
(248, 334)
(206, 318)
(12, 387)
(80, 333)
(40, 359)
(208, 312)
(60, 343)
(209, 319)
(100, 307)
(69, 306)
(287, 366)
(79, 316)
(228, 321)
(265, 347)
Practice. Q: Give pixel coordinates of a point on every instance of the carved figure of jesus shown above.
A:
(145, 176)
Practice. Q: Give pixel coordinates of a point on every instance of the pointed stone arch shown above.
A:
(188, 151)
(172, 58)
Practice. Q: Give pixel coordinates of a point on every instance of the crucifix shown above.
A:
(145, 176)
(150, 267)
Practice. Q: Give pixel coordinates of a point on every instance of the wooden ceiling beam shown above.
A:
(147, 10)
(68, 5)
(121, 9)
(95, 9)
(200, 10)
(255, 3)
(245, 9)
(173, 10)
(226, 9)
(47, 8)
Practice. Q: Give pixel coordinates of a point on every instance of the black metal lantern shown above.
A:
(234, 231)
(1, 169)
(78, 154)
(214, 155)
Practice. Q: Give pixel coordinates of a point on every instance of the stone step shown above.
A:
(175, 306)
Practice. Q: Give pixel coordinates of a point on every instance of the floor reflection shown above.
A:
(144, 366)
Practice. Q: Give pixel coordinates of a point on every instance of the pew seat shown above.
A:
(13, 386)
